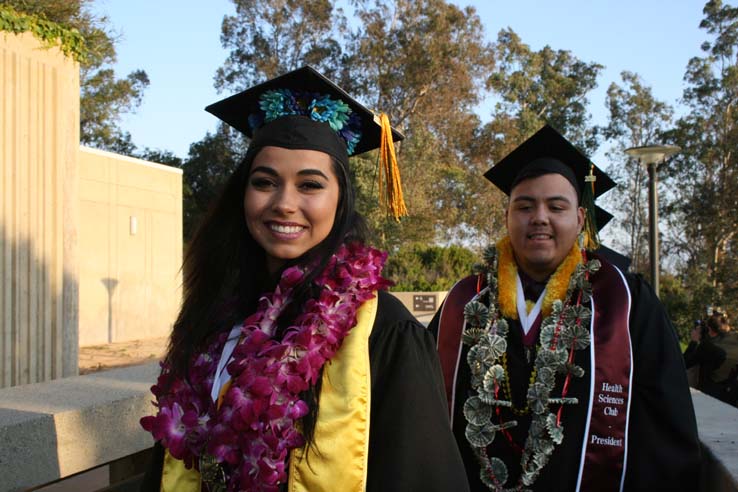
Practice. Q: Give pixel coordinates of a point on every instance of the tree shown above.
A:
(704, 176)
(267, 38)
(545, 86)
(439, 59)
(419, 267)
(636, 118)
(685, 301)
(209, 163)
(103, 101)
(104, 98)
(159, 156)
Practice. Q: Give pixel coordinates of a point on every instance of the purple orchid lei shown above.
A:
(254, 429)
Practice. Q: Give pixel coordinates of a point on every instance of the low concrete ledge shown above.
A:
(59, 428)
(55, 429)
(717, 424)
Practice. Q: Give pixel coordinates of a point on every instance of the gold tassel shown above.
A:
(591, 236)
(391, 197)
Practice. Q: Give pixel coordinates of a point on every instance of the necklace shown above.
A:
(525, 410)
(563, 330)
(243, 444)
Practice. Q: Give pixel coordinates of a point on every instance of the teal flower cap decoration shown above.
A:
(276, 103)
(308, 93)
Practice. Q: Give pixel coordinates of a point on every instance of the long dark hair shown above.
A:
(224, 273)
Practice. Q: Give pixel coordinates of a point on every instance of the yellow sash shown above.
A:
(340, 454)
(176, 478)
(342, 429)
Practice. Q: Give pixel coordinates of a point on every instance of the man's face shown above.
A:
(543, 220)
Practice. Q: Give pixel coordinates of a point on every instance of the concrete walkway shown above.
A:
(121, 354)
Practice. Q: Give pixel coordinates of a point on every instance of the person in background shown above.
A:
(562, 372)
(704, 353)
(727, 374)
(289, 366)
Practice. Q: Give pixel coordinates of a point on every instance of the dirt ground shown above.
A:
(101, 357)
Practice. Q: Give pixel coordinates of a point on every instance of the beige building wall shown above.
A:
(39, 142)
(130, 247)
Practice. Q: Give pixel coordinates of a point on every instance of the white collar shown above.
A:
(527, 319)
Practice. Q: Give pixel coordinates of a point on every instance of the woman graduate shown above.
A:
(289, 367)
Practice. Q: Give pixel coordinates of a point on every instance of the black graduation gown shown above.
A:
(663, 448)
(411, 447)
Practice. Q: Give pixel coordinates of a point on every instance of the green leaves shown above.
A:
(69, 39)
(703, 176)
(419, 267)
(543, 86)
(267, 38)
(104, 98)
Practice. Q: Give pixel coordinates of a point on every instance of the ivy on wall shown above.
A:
(70, 41)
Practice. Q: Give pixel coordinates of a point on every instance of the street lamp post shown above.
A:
(651, 156)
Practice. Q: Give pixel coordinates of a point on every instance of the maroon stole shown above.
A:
(604, 451)
(448, 338)
(605, 447)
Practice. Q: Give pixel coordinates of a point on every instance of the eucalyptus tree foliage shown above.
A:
(423, 63)
(535, 87)
(423, 60)
(266, 38)
(635, 118)
(104, 97)
(704, 176)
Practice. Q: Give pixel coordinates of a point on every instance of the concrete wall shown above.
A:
(39, 142)
(130, 247)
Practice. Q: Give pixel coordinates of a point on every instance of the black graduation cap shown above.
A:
(547, 151)
(547, 146)
(602, 217)
(296, 91)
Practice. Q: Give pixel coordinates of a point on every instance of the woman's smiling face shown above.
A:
(290, 202)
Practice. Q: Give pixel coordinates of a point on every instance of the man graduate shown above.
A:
(562, 372)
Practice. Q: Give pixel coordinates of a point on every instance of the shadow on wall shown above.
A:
(38, 323)
(110, 284)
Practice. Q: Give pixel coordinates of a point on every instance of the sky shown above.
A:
(177, 43)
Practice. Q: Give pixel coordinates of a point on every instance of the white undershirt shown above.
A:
(222, 376)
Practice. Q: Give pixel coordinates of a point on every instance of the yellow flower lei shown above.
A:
(507, 271)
